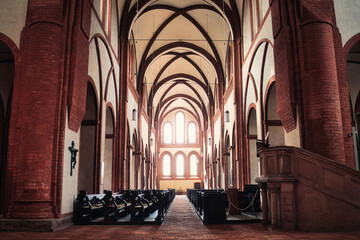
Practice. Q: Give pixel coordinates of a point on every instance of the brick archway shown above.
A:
(7, 71)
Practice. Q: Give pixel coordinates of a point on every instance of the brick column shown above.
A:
(35, 152)
(344, 99)
(323, 119)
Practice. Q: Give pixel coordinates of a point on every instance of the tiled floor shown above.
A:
(180, 223)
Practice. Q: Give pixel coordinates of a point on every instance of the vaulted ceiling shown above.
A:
(180, 51)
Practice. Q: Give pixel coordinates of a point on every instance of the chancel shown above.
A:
(178, 117)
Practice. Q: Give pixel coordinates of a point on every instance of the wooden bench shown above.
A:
(210, 204)
(115, 206)
(88, 207)
(140, 206)
(153, 200)
(109, 208)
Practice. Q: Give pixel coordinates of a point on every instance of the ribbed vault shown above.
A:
(180, 50)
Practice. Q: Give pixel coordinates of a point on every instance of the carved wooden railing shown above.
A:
(307, 191)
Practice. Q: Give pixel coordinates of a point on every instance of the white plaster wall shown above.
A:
(264, 7)
(130, 106)
(229, 105)
(102, 145)
(106, 65)
(111, 92)
(265, 33)
(256, 54)
(144, 131)
(97, 5)
(246, 28)
(114, 27)
(259, 125)
(217, 133)
(293, 138)
(347, 18)
(70, 183)
(257, 63)
(12, 18)
(250, 97)
(254, 161)
(108, 166)
(93, 67)
(269, 69)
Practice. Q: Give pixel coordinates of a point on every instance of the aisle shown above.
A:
(181, 211)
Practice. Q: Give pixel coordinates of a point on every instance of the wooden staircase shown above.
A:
(302, 190)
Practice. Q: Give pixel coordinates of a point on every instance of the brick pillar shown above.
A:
(37, 97)
(344, 99)
(35, 152)
(323, 119)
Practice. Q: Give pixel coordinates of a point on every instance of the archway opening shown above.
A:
(88, 136)
(353, 75)
(274, 126)
(7, 68)
(229, 163)
(107, 165)
(133, 164)
(252, 137)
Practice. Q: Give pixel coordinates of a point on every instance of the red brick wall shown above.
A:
(37, 117)
(79, 61)
(344, 99)
(324, 133)
(309, 74)
(285, 57)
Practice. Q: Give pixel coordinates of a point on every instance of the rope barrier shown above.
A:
(242, 209)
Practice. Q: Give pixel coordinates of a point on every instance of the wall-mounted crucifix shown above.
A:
(73, 156)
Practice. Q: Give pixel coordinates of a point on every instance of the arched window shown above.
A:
(167, 133)
(180, 127)
(166, 165)
(193, 165)
(180, 165)
(192, 132)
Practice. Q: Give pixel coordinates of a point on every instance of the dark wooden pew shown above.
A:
(115, 206)
(109, 208)
(140, 206)
(88, 207)
(210, 204)
(245, 197)
(213, 206)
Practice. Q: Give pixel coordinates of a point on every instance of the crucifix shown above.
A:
(73, 156)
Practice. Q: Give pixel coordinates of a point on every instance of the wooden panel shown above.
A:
(306, 169)
(355, 190)
(285, 164)
(334, 181)
(270, 165)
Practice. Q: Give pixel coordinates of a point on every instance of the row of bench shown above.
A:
(210, 205)
(110, 207)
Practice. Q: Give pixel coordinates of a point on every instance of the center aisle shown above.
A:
(181, 211)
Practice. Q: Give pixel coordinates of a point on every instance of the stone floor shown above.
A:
(180, 223)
